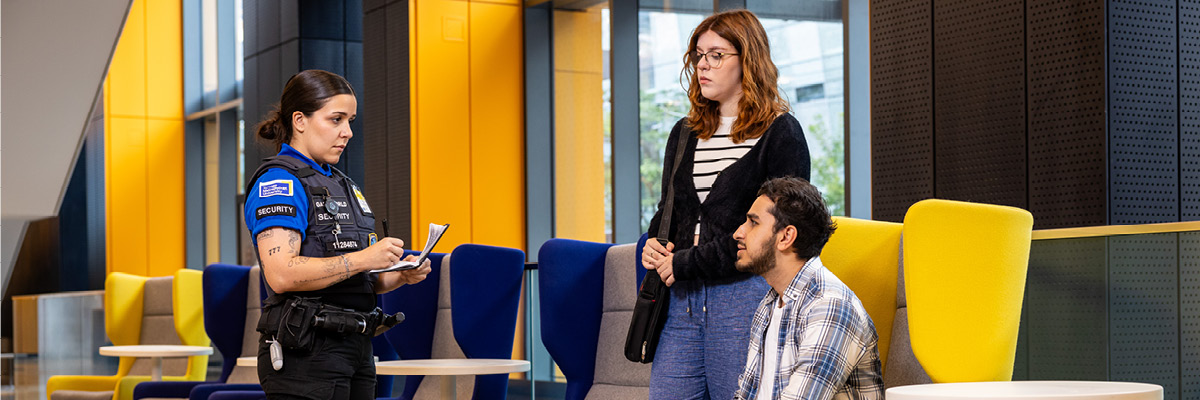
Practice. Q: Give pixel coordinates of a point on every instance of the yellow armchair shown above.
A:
(137, 312)
(953, 315)
(865, 255)
(964, 273)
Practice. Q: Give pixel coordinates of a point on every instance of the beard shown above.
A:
(759, 265)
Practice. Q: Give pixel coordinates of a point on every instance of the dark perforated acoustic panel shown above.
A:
(1189, 315)
(901, 106)
(1143, 136)
(1021, 361)
(1065, 301)
(1067, 185)
(1144, 310)
(979, 102)
(386, 71)
(1189, 111)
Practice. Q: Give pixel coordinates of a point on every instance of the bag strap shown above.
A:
(664, 226)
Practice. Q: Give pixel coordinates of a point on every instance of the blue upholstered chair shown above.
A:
(587, 296)
(232, 304)
(464, 309)
(413, 338)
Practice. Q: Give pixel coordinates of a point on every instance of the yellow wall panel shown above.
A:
(579, 156)
(441, 138)
(579, 126)
(144, 143)
(497, 126)
(127, 72)
(165, 180)
(468, 124)
(577, 41)
(505, 2)
(127, 195)
(164, 61)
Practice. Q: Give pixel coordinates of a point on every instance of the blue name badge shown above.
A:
(280, 187)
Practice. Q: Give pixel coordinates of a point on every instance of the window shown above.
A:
(806, 45)
(213, 129)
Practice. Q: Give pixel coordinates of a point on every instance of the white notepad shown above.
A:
(435, 233)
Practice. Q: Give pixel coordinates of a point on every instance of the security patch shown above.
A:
(275, 209)
(278, 187)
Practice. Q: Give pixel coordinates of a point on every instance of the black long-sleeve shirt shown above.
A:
(780, 151)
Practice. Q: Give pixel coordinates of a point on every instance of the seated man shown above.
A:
(811, 339)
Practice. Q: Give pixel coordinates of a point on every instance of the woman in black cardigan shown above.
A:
(738, 134)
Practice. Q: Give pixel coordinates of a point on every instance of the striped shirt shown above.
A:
(827, 345)
(713, 155)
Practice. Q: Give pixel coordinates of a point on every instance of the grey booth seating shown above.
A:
(616, 377)
(587, 296)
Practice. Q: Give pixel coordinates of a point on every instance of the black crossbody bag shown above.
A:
(650, 309)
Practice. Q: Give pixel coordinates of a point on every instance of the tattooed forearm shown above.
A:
(331, 270)
(273, 251)
(337, 277)
(297, 261)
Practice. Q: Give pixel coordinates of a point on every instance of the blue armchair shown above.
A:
(468, 311)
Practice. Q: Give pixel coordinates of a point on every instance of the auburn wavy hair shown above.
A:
(761, 101)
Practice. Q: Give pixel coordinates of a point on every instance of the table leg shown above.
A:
(450, 387)
(156, 375)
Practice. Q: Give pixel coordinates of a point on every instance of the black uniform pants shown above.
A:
(339, 367)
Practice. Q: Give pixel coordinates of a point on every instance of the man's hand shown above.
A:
(660, 259)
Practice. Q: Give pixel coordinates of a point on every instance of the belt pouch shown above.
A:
(296, 324)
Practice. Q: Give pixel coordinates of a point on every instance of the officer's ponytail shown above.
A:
(306, 92)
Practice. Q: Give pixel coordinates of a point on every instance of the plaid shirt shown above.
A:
(827, 332)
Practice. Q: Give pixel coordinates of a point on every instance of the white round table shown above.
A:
(155, 353)
(453, 367)
(1029, 390)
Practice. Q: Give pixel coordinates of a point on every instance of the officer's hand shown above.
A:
(385, 253)
(415, 275)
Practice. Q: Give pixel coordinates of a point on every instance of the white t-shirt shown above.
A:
(771, 347)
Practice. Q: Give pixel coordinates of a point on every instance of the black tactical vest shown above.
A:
(338, 223)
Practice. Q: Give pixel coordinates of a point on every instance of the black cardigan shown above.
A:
(781, 151)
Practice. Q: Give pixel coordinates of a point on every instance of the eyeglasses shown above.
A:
(714, 58)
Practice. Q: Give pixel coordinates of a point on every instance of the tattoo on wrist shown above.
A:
(331, 265)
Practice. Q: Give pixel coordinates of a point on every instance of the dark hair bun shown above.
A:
(270, 128)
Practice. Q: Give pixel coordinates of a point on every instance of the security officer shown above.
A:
(315, 237)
